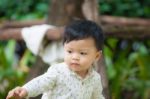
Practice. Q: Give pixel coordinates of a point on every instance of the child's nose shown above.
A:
(75, 56)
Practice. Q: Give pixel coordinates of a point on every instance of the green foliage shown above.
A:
(12, 70)
(33, 9)
(129, 8)
(128, 68)
(23, 9)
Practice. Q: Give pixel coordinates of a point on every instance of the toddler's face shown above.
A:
(80, 55)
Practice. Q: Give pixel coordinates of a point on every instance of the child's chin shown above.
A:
(75, 69)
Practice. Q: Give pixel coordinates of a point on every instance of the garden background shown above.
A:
(127, 59)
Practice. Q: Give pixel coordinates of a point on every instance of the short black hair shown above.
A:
(81, 29)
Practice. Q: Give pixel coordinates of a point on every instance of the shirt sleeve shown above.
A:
(97, 94)
(42, 83)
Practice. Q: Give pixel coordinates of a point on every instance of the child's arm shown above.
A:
(17, 93)
(42, 83)
(36, 86)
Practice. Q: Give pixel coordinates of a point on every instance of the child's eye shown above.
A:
(69, 51)
(83, 53)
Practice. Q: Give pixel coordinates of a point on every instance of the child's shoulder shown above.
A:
(58, 64)
(97, 76)
(58, 67)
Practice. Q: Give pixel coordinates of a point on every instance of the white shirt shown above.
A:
(59, 82)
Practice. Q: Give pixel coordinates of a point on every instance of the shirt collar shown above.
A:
(89, 74)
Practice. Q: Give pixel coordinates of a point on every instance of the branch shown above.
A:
(118, 27)
(126, 28)
(11, 33)
(124, 21)
(20, 24)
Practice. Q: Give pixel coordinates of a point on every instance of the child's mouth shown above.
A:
(75, 64)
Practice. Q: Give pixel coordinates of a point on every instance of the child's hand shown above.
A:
(17, 93)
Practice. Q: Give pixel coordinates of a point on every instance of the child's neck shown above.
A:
(82, 74)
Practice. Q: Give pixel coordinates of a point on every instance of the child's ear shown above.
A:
(98, 56)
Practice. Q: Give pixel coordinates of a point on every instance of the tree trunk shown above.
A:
(62, 13)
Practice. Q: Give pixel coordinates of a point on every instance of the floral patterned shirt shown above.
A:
(59, 82)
